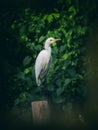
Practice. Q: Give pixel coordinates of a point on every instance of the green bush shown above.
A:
(65, 81)
(24, 33)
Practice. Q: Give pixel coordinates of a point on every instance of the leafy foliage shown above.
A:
(25, 37)
(66, 79)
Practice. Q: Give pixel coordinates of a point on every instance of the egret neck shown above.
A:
(47, 48)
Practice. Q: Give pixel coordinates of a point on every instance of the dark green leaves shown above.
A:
(60, 90)
(27, 60)
(67, 81)
(30, 32)
(41, 39)
(51, 17)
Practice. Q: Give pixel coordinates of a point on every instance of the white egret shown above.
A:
(43, 61)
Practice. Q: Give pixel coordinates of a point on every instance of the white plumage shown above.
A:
(43, 61)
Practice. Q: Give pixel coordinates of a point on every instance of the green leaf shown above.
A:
(20, 75)
(72, 10)
(59, 100)
(50, 18)
(72, 72)
(65, 56)
(55, 50)
(27, 60)
(54, 44)
(41, 39)
(62, 48)
(26, 71)
(60, 90)
(38, 47)
(56, 15)
(67, 81)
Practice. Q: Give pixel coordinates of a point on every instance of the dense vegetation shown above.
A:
(24, 31)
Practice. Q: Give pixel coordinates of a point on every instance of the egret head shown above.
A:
(51, 40)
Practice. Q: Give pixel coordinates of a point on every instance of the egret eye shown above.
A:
(51, 40)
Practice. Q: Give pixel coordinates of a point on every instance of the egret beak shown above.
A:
(56, 40)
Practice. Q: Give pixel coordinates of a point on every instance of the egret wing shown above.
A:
(42, 66)
(45, 70)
